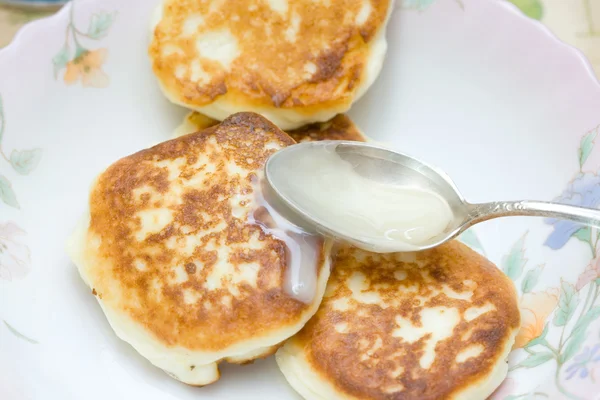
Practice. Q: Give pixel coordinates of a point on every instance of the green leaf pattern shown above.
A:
(583, 234)
(531, 279)
(590, 316)
(100, 24)
(567, 303)
(18, 334)
(573, 346)
(60, 60)
(7, 194)
(531, 8)
(586, 146)
(533, 360)
(25, 161)
(22, 161)
(417, 4)
(422, 5)
(469, 238)
(513, 263)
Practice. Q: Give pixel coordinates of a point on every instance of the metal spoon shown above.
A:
(387, 166)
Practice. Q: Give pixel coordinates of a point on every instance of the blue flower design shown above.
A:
(581, 361)
(583, 191)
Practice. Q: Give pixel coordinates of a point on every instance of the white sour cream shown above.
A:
(303, 249)
(390, 217)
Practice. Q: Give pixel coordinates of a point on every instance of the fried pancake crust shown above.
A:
(340, 127)
(179, 267)
(436, 324)
(269, 56)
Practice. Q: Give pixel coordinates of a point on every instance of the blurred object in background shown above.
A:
(34, 4)
(16, 13)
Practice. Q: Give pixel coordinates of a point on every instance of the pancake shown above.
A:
(179, 252)
(437, 324)
(272, 57)
(194, 122)
(339, 127)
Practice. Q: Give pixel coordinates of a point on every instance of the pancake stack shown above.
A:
(190, 279)
(191, 265)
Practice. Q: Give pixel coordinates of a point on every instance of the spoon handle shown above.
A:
(484, 211)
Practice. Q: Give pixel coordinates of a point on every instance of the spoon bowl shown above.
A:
(389, 167)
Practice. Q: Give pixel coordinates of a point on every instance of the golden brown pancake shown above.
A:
(293, 61)
(340, 127)
(436, 324)
(179, 267)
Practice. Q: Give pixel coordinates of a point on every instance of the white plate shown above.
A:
(470, 85)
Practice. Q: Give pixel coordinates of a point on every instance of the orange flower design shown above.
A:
(88, 67)
(535, 309)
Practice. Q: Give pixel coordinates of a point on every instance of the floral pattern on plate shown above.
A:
(22, 161)
(15, 257)
(568, 310)
(80, 63)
